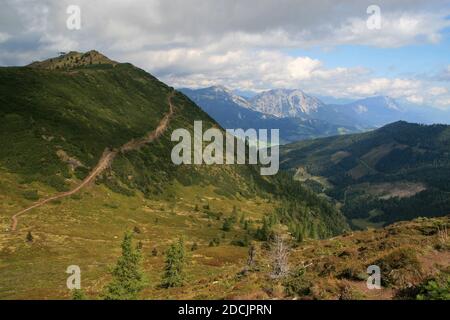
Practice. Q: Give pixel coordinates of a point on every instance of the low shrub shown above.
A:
(399, 267)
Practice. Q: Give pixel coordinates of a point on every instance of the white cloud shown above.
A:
(416, 99)
(395, 88)
(443, 102)
(240, 44)
(301, 68)
(398, 29)
(243, 69)
(225, 24)
(437, 91)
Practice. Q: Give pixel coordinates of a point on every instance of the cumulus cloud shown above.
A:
(416, 99)
(240, 44)
(243, 69)
(437, 91)
(396, 88)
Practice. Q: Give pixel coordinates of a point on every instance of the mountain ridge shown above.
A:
(356, 116)
(286, 103)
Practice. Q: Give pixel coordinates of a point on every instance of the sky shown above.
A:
(343, 49)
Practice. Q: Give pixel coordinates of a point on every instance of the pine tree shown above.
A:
(128, 279)
(174, 270)
(263, 233)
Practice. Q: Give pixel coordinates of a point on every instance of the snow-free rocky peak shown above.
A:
(286, 103)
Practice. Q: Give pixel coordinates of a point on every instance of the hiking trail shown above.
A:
(105, 162)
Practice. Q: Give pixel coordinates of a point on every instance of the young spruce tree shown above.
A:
(128, 279)
(174, 270)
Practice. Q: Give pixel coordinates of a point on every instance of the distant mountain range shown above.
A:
(301, 116)
(233, 111)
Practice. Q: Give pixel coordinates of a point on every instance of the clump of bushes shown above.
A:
(399, 267)
(435, 289)
(298, 284)
(241, 242)
(31, 195)
(214, 242)
(352, 273)
(227, 224)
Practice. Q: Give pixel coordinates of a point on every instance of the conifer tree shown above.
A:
(128, 279)
(263, 233)
(174, 270)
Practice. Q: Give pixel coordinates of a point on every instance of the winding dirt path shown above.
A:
(105, 161)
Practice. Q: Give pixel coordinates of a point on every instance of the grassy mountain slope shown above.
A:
(411, 256)
(58, 117)
(398, 172)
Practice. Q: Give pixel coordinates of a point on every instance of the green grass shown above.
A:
(87, 232)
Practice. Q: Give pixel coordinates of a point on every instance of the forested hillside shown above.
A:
(398, 172)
